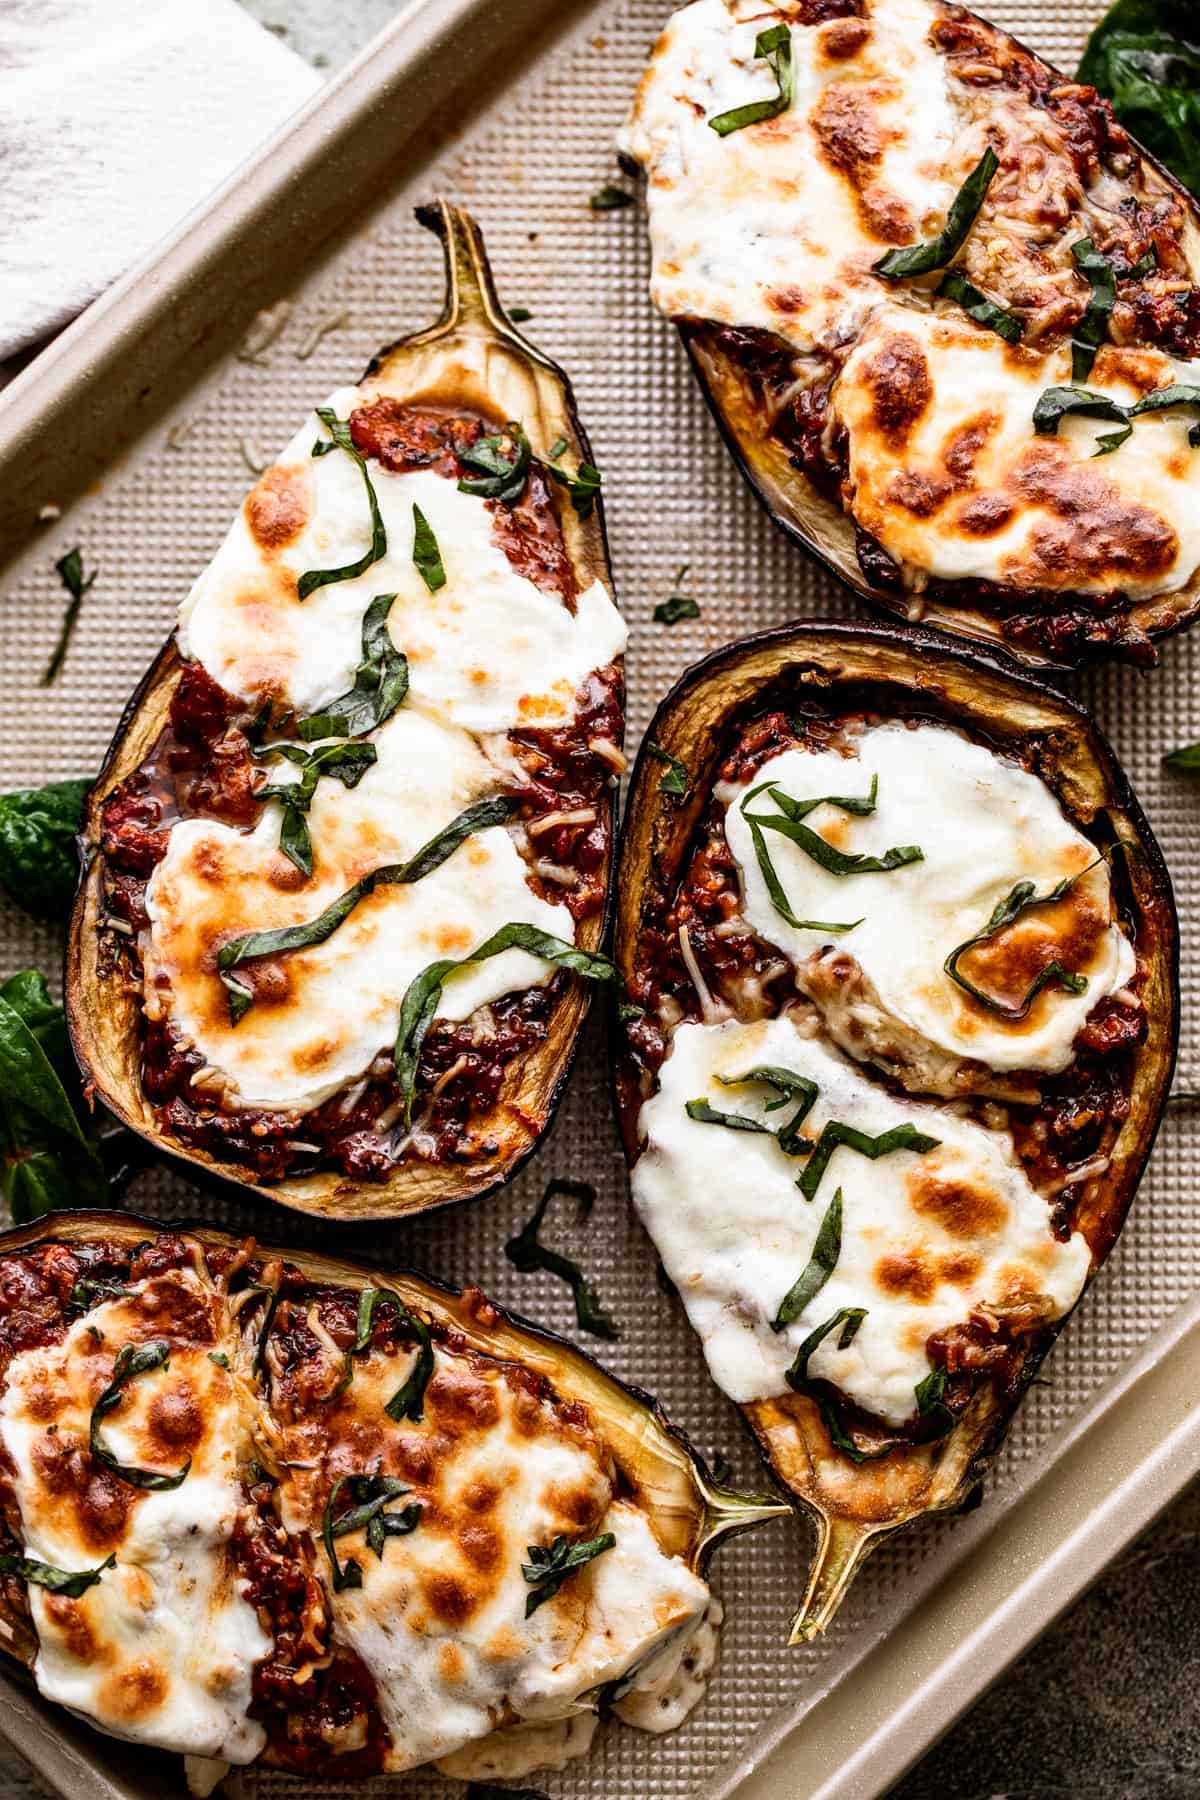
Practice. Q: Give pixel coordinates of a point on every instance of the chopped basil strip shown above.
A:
(408, 1402)
(519, 315)
(1187, 757)
(424, 992)
(778, 893)
(71, 1582)
(840, 1438)
(70, 573)
(610, 199)
(1058, 403)
(339, 432)
(1022, 899)
(789, 1086)
(704, 1114)
(91, 1293)
(280, 940)
(977, 306)
(923, 259)
(849, 1318)
(500, 473)
(380, 683)
(834, 861)
(426, 555)
(527, 1253)
(347, 763)
(835, 1135)
(546, 1570)
(371, 1493)
(1179, 393)
(132, 1360)
(1111, 440)
(674, 608)
(556, 449)
(820, 1267)
(368, 1302)
(935, 1414)
(775, 49)
(582, 487)
(675, 779)
(219, 1357)
(1092, 329)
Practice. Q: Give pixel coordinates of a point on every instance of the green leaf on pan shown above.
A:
(39, 865)
(49, 1161)
(70, 573)
(380, 683)
(610, 199)
(424, 993)
(820, 1266)
(132, 1360)
(977, 306)
(774, 47)
(1186, 758)
(526, 1252)
(923, 259)
(1145, 56)
(339, 432)
(426, 555)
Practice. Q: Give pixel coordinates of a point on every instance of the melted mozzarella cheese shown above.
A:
(945, 468)
(777, 225)
(925, 1238)
(341, 1002)
(984, 824)
(488, 650)
(439, 1619)
(162, 1649)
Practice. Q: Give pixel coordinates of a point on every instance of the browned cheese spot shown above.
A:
(960, 1268)
(900, 386)
(961, 1208)
(72, 1625)
(461, 1402)
(842, 38)
(175, 1421)
(132, 1692)
(906, 1273)
(450, 1599)
(481, 1545)
(277, 508)
(1096, 532)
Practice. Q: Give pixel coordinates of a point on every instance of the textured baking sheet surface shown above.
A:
(527, 167)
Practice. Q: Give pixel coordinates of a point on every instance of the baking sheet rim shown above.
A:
(1156, 1448)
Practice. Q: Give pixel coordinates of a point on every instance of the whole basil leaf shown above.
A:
(38, 862)
(1145, 56)
(49, 1161)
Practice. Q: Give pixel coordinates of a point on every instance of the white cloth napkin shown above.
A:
(117, 117)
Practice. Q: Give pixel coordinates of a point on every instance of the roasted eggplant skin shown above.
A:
(921, 671)
(473, 357)
(812, 520)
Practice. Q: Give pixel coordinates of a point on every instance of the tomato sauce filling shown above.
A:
(203, 766)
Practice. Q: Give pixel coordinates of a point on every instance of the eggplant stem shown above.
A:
(843, 1545)
(726, 1513)
(472, 302)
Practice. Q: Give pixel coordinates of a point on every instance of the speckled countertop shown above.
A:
(1104, 1707)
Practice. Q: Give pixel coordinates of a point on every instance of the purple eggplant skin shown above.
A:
(473, 355)
(896, 670)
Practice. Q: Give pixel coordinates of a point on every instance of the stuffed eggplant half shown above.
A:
(348, 860)
(901, 1012)
(945, 310)
(269, 1507)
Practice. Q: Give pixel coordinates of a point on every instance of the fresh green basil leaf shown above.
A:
(426, 555)
(849, 1318)
(424, 992)
(820, 1266)
(675, 779)
(372, 1493)
(923, 259)
(408, 1402)
(835, 1135)
(774, 47)
(1058, 403)
(1021, 899)
(345, 762)
(778, 893)
(69, 1582)
(1186, 758)
(39, 865)
(547, 1569)
(935, 1414)
(977, 306)
(132, 1360)
(70, 573)
(339, 432)
(501, 464)
(279, 941)
(527, 1253)
(1109, 441)
(1144, 55)
(582, 487)
(380, 683)
(48, 1159)
(674, 608)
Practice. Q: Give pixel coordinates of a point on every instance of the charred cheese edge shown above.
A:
(776, 227)
(487, 652)
(162, 1649)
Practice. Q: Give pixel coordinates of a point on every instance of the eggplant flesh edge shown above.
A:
(854, 1508)
(689, 1512)
(826, 532)
(472, 359)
